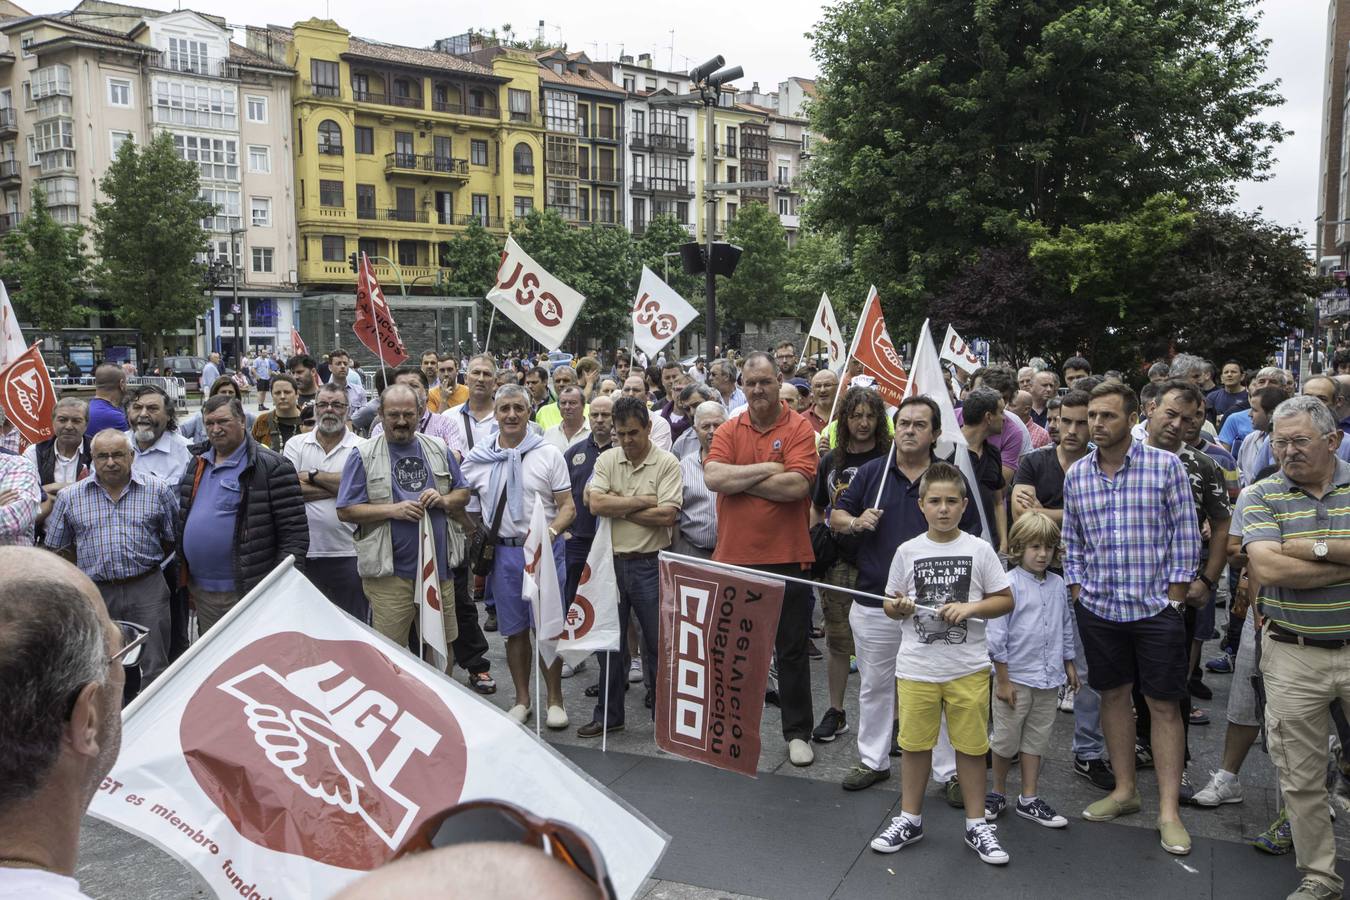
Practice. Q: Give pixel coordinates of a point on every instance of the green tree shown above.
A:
(755, 292)
(46, 262)
(471, 259)
(950, 121)
(147, 234)
(665, 235)
(821, 264)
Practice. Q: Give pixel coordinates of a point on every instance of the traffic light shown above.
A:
(351, 261)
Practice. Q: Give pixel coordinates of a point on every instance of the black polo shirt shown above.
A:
(581, 458)
(1041, 469)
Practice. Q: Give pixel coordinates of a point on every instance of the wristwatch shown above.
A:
(553, 534)
(309, 476)
(1320, 548)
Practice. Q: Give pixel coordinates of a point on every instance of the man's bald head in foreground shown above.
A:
(486, 871)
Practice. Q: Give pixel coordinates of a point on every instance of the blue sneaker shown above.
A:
(994, 805)
(900, 833)
(1222, 665)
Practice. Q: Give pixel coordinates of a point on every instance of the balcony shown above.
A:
(670, 186)
(639, 228)
(426, 164)
(790, 222)
(637, 140)
(670, 143)
(784, 185)
(728, 150)
(373, 214)
(640, 184)
(612, 133)
(606, 217)
(605, 175)
(8, 221)
(188, 64)
(9, 122)
(10, 173)
(368, 96)
(406, 102)
(323, 90)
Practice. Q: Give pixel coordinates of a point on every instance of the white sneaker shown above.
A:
(568, 670)
(800, 752)
(1065, 700)
(557, 717)
(520, 712)
(1217, 793)
(635, 671)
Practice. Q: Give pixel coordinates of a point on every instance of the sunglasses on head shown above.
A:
(497, 820)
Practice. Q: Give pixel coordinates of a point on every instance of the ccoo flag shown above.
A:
(293, 749)
(825, 328)
(873, 350)
(374, 324)
(592, 621)
(540, 305)
(659, 314)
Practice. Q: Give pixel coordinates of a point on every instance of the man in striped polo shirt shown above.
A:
(1295, 526)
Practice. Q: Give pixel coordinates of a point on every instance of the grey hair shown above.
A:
(724, 368)
(52, 644)
(1270, 371)
(1315, 409)
(487, 356)
(511, 390)
(114, 433)
(700, 389)
(573, 388)
(1186, 365)
(709, 408)
(81, 405)
(417, 398)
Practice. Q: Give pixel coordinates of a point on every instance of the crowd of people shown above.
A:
(1076, 566)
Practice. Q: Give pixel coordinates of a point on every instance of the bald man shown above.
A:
(482, 871)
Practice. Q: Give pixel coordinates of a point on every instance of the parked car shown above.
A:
(188, 368)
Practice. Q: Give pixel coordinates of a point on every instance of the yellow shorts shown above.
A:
(965, 702)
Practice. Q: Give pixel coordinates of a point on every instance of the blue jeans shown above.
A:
(640, 592)
(1088, 741)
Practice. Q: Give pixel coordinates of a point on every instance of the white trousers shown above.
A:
(876, 641)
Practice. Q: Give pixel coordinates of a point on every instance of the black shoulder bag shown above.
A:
(483, 547)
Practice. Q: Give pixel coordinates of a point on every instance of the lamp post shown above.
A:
(709, 78)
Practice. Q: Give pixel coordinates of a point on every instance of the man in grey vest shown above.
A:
(388, 485)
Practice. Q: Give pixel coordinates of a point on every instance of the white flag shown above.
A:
(12, 344)
(292, 749)
(825, 328)
(592, 621)
(958, 352)
(430, 601)
(540, 586)
(540, 305)
(659, 313)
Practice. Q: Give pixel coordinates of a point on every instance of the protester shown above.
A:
(192, 430)
(982, 419)
(210, 372)
(1076, 367)
(319, 456)
(64, 458)
(509, 474)
(696, 528)
(638, 486)
(302, 369)
(1032, 649)
(785, 355)
(762, 465)
(1254, 454)
(61, 659)
(1021, 408)
(474, 421)
(340, 368)
(722, 376)
(942, 668)
(118, 527)
(273, 428)
(537, 383)
(105, 410)
(241, 514)
(428, 363)
(11, 439)
(635, 387)
(688, 400)
(549, 413)
(447, 391)
(572, 427)
(21, 498)
(580, 458)
(1238, 423)
(1229, 396)
(1015, 439)
(160, 451)
(1128, 584)
(824, 395)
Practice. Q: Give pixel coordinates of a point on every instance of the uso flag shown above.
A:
(539, 304)
(591, 624)
(292, 749)
(825, 328)
(958, 353)
(717, 635)
(27, 395)
(374, 324)
(659, 314)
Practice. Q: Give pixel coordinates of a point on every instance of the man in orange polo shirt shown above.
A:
(762, 465)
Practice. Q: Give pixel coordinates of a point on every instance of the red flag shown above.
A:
(717, 636)
(298, 347)
(873, 350)
(27, 395)
(374, 321)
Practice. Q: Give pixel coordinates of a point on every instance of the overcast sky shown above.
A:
(769, 40)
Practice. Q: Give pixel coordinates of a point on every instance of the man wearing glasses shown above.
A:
(118, 527)
(318, 457)
(61, 661)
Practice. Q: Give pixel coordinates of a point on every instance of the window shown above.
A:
(330, 193)
(178, 103)
(651, 84)
(260, 159)
(365, 201)
(407, 253)
(256, 109)
(334, 248)
(442, 149)
(639, 170)
(364, 139)
(118, 138)
(188, 56)
(478, 153)
(481, 209)
(732, 174)
(639, 122)
(783, 175)
(51, 80)
(445, 207)
(522, 207)
(520, 104)
(58, 135)
(369, 246)
(32, 150)
(639, 214)
(324, 77)
(522, 159)
(28, 102)
(218, 158)
(783, 206)
(260, 212)
(330, 138)
(561, 111)
(61, 191)
(119, 92)
(262, 260)
(731, 213)
(226, 203)
(629, 84)
(26, 41)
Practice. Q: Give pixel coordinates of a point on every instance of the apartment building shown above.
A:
(73, 92)
(789, 144)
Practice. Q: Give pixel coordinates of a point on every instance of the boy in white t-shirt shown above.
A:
(943, 584)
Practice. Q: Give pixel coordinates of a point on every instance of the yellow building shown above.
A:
(399, 149)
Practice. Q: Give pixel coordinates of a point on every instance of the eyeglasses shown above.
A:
(133, 637)
(497, 820)
(333, 406)
(1299, 443)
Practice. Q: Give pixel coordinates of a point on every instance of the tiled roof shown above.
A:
(412, 56)
(247, 57)
(592, 80)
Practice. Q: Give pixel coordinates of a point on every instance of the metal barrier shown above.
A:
(174, 386)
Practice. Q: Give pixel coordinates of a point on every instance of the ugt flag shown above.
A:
(540, 305)
(430, 601)
(825, 328)
(293, 749)
(374, 324)
(540, 586)
(591, 624)
(958, 352)
(872, 348)
(659, 313)
(716, 642)
(27, 395)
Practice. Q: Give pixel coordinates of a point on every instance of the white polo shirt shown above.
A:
(544, 472)
(483, 430)
(327, 536)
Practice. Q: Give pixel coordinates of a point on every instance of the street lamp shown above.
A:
(709, 78)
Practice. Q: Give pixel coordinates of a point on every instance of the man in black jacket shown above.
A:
(241, 513)
(62, 459)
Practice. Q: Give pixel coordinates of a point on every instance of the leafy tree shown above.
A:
(755, 292)
(472, 260)
(46, 261)
(820, 263)
(148, 233)
(665, 235)
(950, 121)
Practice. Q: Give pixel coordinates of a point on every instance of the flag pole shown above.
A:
(538, 664)
(491, 321)
(604, 717)
(852, 348)
(890, 454)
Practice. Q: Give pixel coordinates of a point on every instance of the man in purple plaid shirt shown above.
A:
(1131, 550)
